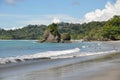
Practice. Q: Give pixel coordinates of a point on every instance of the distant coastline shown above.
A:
(72, 41)
(92, 31)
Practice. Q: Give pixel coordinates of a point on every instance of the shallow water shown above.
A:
(50, 61)
(22, 50)
(11, 48)
(53, 70)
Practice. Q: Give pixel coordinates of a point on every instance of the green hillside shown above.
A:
(106, 30)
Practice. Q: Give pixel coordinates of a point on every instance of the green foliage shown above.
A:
(106, 30)
(28, 32)
(111, 30)
(66, 36)
(53, 29)
(85, 31)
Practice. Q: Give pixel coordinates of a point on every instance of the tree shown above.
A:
(66, 36)
(111, 29)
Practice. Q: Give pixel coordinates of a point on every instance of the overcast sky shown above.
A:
(19, 13)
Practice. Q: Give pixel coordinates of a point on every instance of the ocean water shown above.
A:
(30, 59)
(13, 51)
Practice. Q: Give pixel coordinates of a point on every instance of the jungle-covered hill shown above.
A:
(105, 30)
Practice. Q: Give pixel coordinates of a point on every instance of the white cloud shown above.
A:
(102, 15)
(11, 2)
(64, 18)
(56, 20)
(13, 28)
(23, 20)
(48, 19)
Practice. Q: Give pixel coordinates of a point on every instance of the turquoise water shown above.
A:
(50, 61)
(30, 49)
(10, 48)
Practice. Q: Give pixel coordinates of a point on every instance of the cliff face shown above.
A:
(52, 38)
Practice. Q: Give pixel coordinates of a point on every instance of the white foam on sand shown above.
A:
(38, 56)
(84, 54)
(71, 53)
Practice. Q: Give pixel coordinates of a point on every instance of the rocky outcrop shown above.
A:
(51, 34)
(52, 38)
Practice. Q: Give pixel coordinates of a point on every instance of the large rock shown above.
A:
(51, 34)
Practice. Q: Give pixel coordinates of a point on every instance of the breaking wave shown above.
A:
(71, 53)
(43, 55)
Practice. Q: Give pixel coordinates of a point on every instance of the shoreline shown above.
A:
(102, 68)
(108, 70)
(99, 69)
(81, 40)
(114, 41)
(96, 40)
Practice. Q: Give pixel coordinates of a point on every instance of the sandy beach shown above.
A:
(97, 69)
(103, 66)
(118, 41)
(111, 72)
(108, 70)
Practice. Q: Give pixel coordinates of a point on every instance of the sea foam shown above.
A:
(71, 53)
(42, 55)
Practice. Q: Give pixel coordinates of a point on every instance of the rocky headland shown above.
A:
(51, 34)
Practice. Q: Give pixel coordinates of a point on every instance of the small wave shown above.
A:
(84, 54)
(38, 56)
(84, 46)
(72, 53)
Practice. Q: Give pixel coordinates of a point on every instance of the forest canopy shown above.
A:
(95, 30)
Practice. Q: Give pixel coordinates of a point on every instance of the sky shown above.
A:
(19, 13)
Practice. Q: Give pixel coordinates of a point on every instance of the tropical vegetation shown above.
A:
(95, 30)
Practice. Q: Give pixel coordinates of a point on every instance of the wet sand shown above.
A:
(109, 70)
(105, 68)
(95, 70)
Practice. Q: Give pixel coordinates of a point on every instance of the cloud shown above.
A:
(12, 28)
(64, 18)
(18, 20)
(75, 3)
(48, 19)
(56, 20)
(103, 15)
(11, 2)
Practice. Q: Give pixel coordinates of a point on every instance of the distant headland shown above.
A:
(52, 34)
